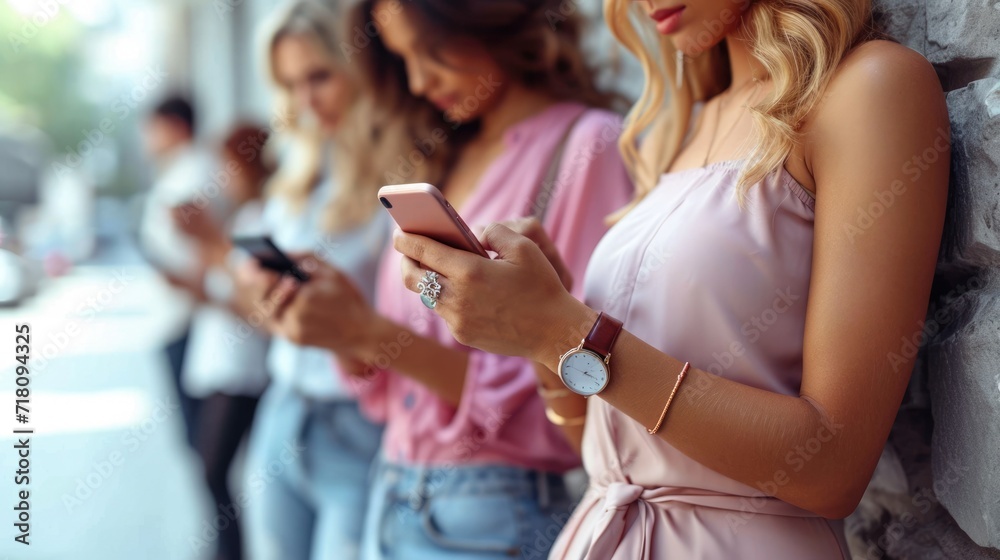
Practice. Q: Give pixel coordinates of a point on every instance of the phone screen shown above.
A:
(270, 256)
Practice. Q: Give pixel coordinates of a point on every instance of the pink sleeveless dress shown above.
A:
(702, 281)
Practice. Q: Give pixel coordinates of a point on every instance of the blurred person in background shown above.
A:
(322, 201)
(224, 364)
(508, 123)
(182, 170)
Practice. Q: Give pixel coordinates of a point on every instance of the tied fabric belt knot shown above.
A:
(621, 495)
(620, 498)
(611, 526)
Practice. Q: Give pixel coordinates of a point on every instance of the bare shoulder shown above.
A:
(877, 76)
(882, 57)
(882, 89)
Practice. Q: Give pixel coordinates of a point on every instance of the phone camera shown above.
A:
(385, 202)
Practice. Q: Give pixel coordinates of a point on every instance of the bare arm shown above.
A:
(439, 368)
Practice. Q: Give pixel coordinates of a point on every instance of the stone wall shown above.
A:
(936, 491)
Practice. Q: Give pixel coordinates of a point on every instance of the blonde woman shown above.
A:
(792, 187)
(310, 447)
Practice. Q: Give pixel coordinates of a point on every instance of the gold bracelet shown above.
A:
(547, 393)
(677, 384)
(560, 420)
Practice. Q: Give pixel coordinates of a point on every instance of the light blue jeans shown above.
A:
(307, 473)
(463, 513)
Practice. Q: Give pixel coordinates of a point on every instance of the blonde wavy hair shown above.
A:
(355, 180)
(800, 44)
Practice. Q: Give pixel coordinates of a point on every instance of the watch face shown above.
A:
(583, 372)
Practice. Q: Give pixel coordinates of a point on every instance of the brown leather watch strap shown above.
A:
(602, 336)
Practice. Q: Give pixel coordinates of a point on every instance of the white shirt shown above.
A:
(224, 353)
(187, 175)
(312, 371)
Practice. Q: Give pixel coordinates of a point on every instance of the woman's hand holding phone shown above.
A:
(263, 291)
(421, 209)
(507, 305)
(328, 311)
(533, 230)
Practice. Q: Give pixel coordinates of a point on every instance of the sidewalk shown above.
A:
(111, 476)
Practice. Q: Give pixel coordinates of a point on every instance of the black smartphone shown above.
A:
(270, 256)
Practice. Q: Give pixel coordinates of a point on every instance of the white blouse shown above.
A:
(310, 370)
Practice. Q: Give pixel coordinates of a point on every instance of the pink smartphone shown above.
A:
(420, 208)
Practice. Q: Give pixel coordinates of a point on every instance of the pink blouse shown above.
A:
(501, 417)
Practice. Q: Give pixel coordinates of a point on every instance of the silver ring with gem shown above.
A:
(429, 289)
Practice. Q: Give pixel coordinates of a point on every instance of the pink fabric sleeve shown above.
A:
(593, 182)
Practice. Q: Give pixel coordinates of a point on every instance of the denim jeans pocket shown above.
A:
(482, 523)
